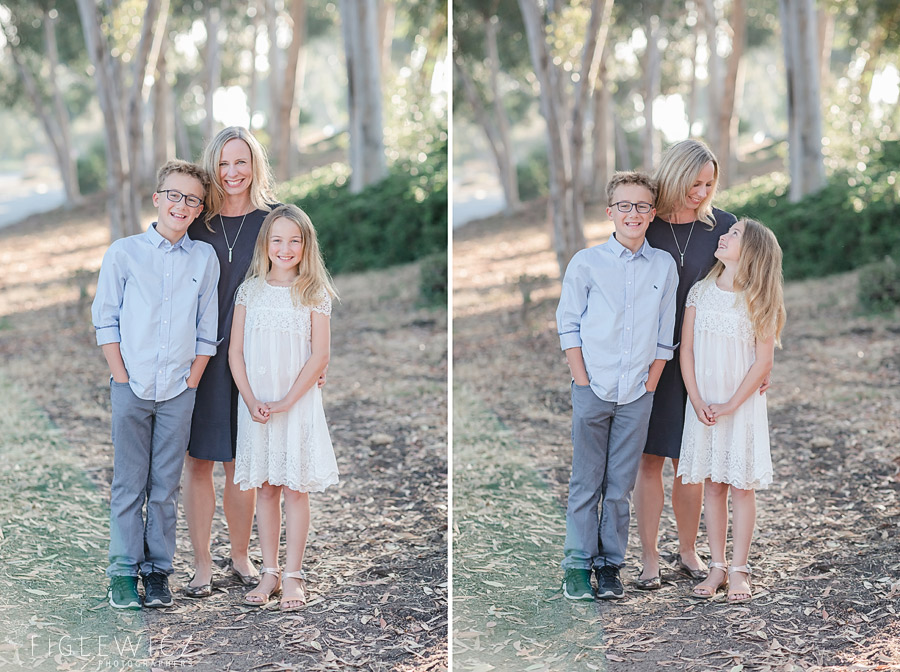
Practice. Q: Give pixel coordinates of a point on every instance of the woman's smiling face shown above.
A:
(702, 187)
(235, 167)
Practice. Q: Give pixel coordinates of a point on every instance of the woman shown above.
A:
(688, 227)
(241, 194)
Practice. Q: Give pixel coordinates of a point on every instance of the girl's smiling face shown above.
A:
(702, 187)
(285, 247)
(235, 167)
(729, 249)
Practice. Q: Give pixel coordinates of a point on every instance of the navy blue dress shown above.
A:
(214, 424)
(667, 416)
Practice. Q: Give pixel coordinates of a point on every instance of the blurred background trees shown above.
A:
(797, 98)
(120, 86)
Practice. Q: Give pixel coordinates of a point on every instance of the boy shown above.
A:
(615, 319)
(156, 315)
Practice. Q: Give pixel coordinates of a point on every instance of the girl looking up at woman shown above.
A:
(732, 322)
(280, 345)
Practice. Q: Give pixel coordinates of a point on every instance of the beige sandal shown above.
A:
(732, 594)
(294, 603)
(259, 597)
(709, 591)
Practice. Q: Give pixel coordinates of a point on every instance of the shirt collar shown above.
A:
(158, 240)
(619, 250)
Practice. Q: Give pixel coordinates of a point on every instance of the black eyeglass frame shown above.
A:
(175, 196)
(637, 206)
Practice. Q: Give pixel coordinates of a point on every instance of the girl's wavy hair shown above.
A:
(312, 276)
(759, 279)
(676, 174)
(262, 185)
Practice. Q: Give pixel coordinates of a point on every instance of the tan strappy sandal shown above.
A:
(259, 597)
(294, 603)
(732, 599)
(709, 591)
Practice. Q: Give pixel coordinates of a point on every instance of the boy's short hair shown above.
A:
(631, 177)
(182, 168)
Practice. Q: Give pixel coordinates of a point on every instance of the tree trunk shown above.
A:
(275, 68)
(724, 150)
(507, 167)
(799, 33)
(65, 155)
(710, 20)
(163, 133)
(212, 67)
(253, 96)
(623, 156)
(603, 132)
(360, 29)
(287, 106)
(692, 99)
(652, 75)
(387, 12)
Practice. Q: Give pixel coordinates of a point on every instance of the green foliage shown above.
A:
(400, 219)
(879, 286)
(91, 167)
(433, 280)
(849, 223)
(534, 175)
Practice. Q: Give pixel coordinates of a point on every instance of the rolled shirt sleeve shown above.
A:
(665, 341)
(208, 309)
(107, 306)
(573, 302)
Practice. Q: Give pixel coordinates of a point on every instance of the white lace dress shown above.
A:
(736, 449)
(293, 448)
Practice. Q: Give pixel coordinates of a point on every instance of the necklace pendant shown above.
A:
(229, 258)
(681, 253)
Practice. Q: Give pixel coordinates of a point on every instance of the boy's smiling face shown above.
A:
(173, 219)
(631, 227)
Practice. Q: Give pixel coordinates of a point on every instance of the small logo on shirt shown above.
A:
(654, 286)
(194, 279)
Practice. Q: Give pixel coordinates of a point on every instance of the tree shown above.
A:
(360, 29)
(799, 29)
(727, 121)
(121, 111)
(31, 38)
(564, 112)
(286, 112)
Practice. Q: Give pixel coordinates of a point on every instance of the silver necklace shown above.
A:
(686, 243)
(231, 247)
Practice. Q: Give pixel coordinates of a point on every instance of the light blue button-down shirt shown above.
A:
(159, 302)
(619, 308)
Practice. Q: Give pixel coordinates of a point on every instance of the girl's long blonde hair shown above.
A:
(262, 185)
(312, 276)
(759, 279)
(676, 174)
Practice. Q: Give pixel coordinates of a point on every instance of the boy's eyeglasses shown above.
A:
(625, 206)
(193, 201)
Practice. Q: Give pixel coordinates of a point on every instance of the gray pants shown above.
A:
(150, 439)
(607, 442)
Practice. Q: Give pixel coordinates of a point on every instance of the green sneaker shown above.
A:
(577, 584)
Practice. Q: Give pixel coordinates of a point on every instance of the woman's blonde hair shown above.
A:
(262, 185)
(312, 276)
(676, 174)
(759, 279)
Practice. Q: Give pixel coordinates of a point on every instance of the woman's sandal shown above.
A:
(695, 574)
(259, 597)
(733, 594)
(710, 591)
(294, 603)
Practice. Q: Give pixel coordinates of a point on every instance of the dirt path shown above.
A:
(377, 551)
(826, 553)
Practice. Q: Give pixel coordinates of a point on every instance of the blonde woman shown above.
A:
(241, 194)
(688, 227)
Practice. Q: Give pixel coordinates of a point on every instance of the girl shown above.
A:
(688, 227)
(280, 343)
(732, 322)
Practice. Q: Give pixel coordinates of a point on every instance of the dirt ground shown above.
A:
(826, 554)
(377, 554)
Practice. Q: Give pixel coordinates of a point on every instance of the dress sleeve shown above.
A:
(694, 295)
(324, 304)
(240, 296)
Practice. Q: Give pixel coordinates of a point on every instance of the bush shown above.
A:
(400, 219)
(534, 175)
(879, 286)
(848, 224)
(433, 280)
(91, 169)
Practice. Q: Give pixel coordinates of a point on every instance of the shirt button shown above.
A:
(167, 298)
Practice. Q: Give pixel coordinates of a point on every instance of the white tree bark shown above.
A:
(212, 67)
(163, 128)
(652, 75)
(287, 102)
(65, 154)
(508, 176)
(801, 49)
(727, 120)
(360, 29)
(603, 162)
(713, 68)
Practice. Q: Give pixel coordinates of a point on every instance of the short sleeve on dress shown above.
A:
(324, 304)
(693, 295)
(241, 295)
